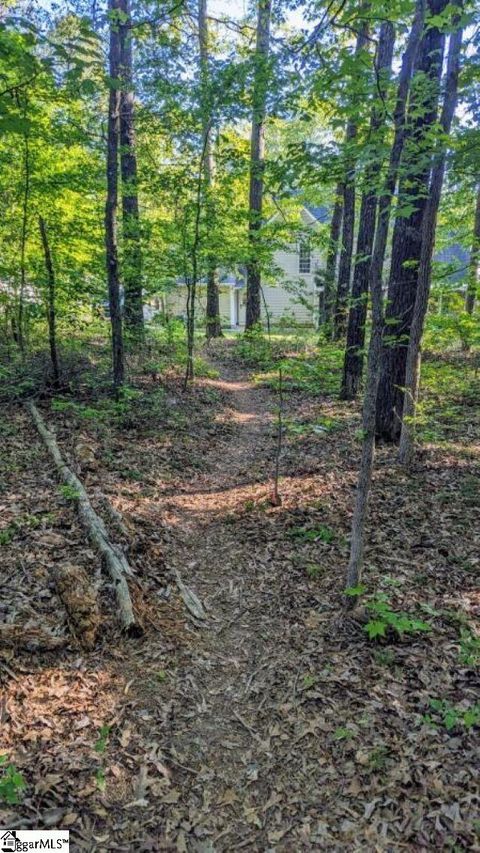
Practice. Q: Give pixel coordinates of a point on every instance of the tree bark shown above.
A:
(375, 348)
(474, 266)
(51, 302)
(132, 251)
(213, 325)
(111, 205)
(348, 224)
(113, 557)
(412, 372)
(257, 161)
(327, 298)
(407, 241)
(353, 361)
(23, 239)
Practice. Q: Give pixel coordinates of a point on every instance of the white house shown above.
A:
(291, 293)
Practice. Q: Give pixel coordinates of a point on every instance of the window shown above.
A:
(304, 258)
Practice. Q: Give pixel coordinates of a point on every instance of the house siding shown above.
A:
(288, 292)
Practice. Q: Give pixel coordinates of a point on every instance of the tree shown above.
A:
(51, 298)
(407, 235)
(474, 267)
(412, 370)
(213, 325)
(353, 361)
(132, 252)
(257, 160)
(111, 204)
(348, 222)
(326, 302)
(375, 347)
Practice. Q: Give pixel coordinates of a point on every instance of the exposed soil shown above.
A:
(275, 724)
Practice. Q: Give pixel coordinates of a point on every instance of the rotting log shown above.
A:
(79, 598)
(115, 561)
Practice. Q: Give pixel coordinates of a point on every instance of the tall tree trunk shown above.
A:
(19, 326)
(348, 225)
(407, 240)
(474, 266)
(111, 205)
(412, 372)
(375, 348)
(353, 362)
(51, 300)
(257, 161)
(327, 298)
(132, 251)
(213, 325)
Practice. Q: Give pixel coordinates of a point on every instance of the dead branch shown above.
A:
(115, 561)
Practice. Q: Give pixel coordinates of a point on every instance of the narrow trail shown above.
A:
(216, 729)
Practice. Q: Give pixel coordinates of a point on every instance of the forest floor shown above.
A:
(276, 723)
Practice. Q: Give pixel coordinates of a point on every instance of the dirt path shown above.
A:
(217, 730)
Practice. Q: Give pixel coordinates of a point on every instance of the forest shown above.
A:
(240, 425)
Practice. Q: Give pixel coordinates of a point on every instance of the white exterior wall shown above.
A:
(284, 300)
(281, 295)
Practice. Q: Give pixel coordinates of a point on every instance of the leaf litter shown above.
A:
(276, 724)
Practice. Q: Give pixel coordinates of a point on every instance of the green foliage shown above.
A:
(469, 647)
(343, 733)
(314, 570)
(321, 426)
(255, 349)
(451, 716)
(384, 619)
(384, 657)
(100, 779)
(69, 492)
(103, 736)
(7, 534)
(12, 783)
(320, 533)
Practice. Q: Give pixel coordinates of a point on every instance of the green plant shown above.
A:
(384, 657)
(100, 779)
(12, 783)
(451, 716)
(69, 492)
(101, 744)
(313, 570)
(7, 534)
(385, 618)
(469, 647)
(378, 758)
(321, 533)
(309, 681)
(343, 733)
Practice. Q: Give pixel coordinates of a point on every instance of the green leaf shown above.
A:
(355, 590)
(375, 628)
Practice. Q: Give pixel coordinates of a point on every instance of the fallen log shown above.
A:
(115, 561)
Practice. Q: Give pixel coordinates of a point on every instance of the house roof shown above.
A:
(321, 214)
(458, 257)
